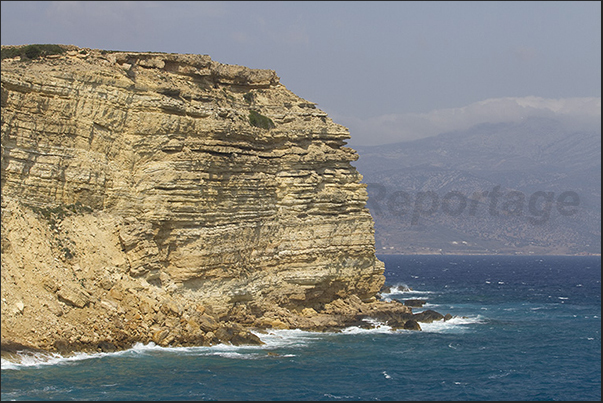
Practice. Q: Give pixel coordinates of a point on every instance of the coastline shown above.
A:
(241, 330)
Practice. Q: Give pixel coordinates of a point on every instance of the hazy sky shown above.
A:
(390, 71)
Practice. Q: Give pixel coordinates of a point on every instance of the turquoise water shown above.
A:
(527, 328)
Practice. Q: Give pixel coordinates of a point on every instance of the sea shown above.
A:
(523, 328)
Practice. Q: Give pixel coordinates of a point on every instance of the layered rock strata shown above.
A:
(170, 198)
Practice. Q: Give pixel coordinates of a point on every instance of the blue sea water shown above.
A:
(526, 328)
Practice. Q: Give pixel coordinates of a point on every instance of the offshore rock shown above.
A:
(141, 203)
(428, 316)
(414, 302)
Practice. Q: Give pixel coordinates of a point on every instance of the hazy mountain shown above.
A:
(527, 187)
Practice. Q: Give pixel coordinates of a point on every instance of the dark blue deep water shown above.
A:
(526, 328)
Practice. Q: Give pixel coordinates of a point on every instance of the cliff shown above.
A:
(170, 198)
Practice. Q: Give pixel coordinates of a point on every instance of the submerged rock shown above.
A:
(428, 316)
(412, 325)
(414, 302)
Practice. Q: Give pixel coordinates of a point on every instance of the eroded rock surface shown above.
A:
(140, 203)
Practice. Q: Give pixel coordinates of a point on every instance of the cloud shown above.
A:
(576, 113)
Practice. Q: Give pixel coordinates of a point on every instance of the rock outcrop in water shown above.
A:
(170, 198)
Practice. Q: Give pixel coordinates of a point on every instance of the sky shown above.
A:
(389, 71)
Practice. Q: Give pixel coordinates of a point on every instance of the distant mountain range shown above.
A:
(532, 187)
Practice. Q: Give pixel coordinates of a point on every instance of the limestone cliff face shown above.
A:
(173, 176)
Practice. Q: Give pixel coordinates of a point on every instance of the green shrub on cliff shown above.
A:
(257, 120)
(249, 97)
(32, 51)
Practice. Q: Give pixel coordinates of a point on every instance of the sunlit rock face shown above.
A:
(189, 178)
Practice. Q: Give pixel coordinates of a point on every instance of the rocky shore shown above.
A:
(174, 322)
(168, 198)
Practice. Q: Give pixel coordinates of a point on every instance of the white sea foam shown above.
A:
(140, 348)
(273, 339)
(397, 289)
(222, 350)
(403, 290)
(454, 325)
(377, 327)
(29, 359)
(501, 374)
(287, 338)
(415, 292)
(330, 396)
(235, 355)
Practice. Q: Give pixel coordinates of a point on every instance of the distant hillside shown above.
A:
(543, 185)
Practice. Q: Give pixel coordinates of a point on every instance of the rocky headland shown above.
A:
(168, 198)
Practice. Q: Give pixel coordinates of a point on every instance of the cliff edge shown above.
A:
(168, 198)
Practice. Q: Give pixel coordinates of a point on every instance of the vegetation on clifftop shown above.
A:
(32, 51)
